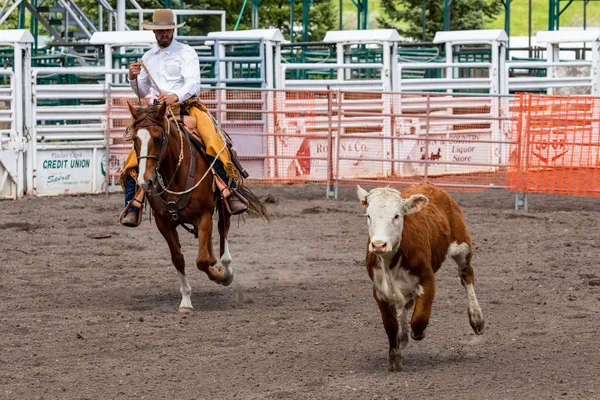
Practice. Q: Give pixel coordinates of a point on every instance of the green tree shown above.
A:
(406, 16)
(271, 14)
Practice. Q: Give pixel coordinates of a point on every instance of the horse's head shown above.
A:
(150, 134)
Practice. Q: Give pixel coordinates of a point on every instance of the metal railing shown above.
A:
(538, 83)
(452, 81)
(8, 136)
(343, 77)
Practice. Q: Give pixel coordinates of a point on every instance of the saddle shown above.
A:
(233, 201)
(188, 125)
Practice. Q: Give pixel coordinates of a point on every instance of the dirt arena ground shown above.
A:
(89, 308)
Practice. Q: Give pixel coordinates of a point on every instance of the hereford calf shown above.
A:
(410, 234)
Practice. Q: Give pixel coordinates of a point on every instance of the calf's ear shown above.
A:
(362, 195)
(414, 203)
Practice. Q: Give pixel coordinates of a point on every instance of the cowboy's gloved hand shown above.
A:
(134, 70)
(168, 98)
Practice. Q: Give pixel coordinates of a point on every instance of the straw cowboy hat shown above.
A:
(163, 19)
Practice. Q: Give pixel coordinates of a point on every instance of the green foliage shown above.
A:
(571, 17)
(272, 13)
(406, 16)
(202, 25)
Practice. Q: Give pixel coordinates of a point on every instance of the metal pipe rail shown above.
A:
(447, 83)
(541, 83)
(339, 82)
(6, 94)
(9, 137)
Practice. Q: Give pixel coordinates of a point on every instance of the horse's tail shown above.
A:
(256, 208)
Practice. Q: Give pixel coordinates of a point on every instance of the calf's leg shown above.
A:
(390, 323)
(403, 321)
(462, 255)
(423, 304)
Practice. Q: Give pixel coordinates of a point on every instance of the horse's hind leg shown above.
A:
(172, 238)
(206, 259)
(224, 222)
(462, 254)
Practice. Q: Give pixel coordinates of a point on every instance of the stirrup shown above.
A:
(235, 193)
(139, 205)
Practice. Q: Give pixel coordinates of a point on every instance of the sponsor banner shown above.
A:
(454, 153)
(355, 149)
(566, 146)
(310, 157)
(70, 171)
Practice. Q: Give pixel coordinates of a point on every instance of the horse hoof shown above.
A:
(402, 340)
(478, 327)
(394, 361)
(476, 321)
(228, 280)
(185, 310)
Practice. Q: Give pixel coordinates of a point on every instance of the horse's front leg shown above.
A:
(206, 258)
(224, 222)
(169, 232)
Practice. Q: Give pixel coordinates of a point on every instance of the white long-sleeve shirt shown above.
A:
(175, 69)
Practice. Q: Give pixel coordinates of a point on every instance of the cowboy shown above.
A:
(170, 73)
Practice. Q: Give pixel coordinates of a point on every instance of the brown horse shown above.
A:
(179, 188)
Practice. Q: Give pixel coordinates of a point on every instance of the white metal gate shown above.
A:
(12, 130)
(68, 151)
(8, 157)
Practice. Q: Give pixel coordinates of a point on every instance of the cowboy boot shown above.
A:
(131, 216)
(133, 211)
(232, 199)
(236, 202)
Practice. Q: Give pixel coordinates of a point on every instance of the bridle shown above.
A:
(159, 156)
(164, 138)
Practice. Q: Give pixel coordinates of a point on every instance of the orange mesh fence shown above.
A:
(556, 148)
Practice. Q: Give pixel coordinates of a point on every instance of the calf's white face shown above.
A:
(385, 216)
